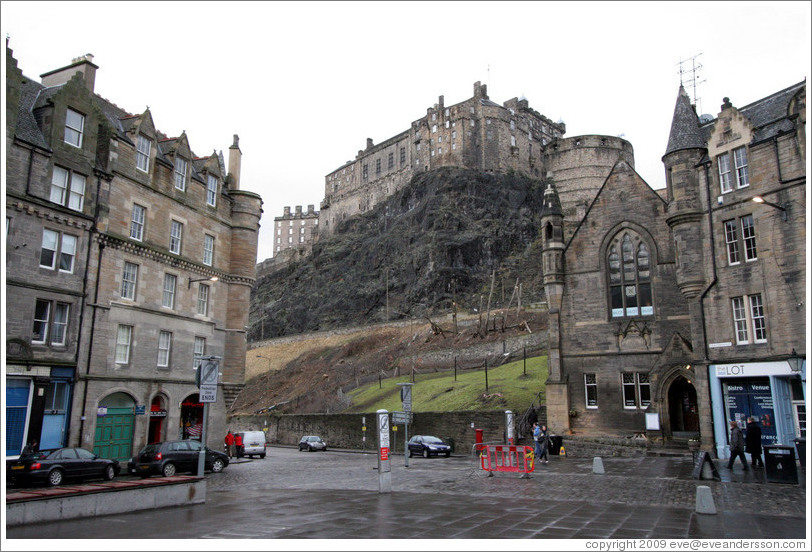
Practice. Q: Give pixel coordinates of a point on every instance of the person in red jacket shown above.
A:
(230, 444)
(238, 444)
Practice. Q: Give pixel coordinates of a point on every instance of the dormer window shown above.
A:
(180, 173)
(144, 145)
(211, 191)
(74, 128)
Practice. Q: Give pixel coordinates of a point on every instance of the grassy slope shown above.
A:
(508, 387)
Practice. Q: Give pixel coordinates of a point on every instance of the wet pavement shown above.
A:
(334, 495)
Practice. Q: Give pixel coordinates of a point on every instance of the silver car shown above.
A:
(311, 443)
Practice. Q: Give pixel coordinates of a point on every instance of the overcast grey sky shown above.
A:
(304, 84)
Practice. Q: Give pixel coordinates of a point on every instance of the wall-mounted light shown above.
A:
(193, 280)
(795, 362)
(759, 199)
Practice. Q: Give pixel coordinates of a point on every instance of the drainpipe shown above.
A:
(30, 170)
(94, 230)
(707, 289)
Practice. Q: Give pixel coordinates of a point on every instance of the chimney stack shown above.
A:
(234, 164)
(82, 64)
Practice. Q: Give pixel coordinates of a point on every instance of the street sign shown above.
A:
(406, 396)
(208, 393)
(402, 417)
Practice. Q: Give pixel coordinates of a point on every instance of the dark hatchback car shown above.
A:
(171, 457)
(428, 445)
(54, 466)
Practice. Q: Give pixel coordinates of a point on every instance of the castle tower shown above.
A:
(684, 153)
(552, 267)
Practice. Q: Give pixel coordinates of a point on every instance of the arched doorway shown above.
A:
(115, 421)
(191, 417)
(683, 410)
(157, 420)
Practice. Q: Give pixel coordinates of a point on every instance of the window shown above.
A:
(513, 141)
(200, 350)
(740, 159)
(629, 278)
(747, 321)
(377, 166)
(62, 192)
(391, 160)
(203, 299)
(129, 279)
(170, 281)
(175, 237)
(74, 127)
(211, 191)
(180, 173)
(208, 249)
(164, 348)
(56, 397)
(56, 245)
(47, 329)
(724, 173)
(123, 338)
(591, 390)
(748, 240)
(636, 390)
(402, 156)
(144, 145)
(365, 171)
(137, 224)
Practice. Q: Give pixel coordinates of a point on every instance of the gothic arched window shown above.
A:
(629, 270)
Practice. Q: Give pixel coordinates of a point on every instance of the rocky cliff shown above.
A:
(450, 236)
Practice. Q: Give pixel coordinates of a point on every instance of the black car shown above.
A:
(171, 457)
(311, 443)
(428, 445)
(54, 466)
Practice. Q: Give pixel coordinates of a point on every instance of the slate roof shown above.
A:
(768, 115)
(685, 132)
(27, 128)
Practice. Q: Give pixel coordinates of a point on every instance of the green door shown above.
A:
(114, 434)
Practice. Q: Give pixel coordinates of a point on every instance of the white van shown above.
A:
(253, 443)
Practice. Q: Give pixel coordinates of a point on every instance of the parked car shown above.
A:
(171, 457)
(54, 466)
(428, 445)
(311, 443)
(253, 443)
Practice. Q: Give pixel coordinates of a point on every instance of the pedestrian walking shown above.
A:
(752, 442)
(238, 444)
(536, 443)
(544, 441)
(229, 440)
(736, 445)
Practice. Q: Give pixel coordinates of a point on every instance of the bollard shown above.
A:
(384, 463)
(704, 500)
(597, 465)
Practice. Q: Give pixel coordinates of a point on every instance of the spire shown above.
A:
(685, 133)
(551, 204)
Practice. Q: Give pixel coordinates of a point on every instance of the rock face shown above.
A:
(437, 241)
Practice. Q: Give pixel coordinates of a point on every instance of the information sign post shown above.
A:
(208, 373)
(406, 398)
(384, 464)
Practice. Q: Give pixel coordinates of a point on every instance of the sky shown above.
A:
(304, 84)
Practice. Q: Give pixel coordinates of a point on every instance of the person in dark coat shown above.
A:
(736, 445)
(752, 442)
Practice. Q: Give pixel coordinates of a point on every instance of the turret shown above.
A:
(684, 153)
(552, 269)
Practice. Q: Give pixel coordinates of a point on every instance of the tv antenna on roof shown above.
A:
(692, 78)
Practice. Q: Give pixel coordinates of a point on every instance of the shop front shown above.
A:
(772, 393)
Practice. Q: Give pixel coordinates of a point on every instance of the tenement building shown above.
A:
(128, 259)
(478, 134)
(672, 314)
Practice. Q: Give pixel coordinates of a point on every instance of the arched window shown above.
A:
(629, 269)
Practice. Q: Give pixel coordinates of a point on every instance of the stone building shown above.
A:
(106, 219)
(673, 313)
(295, 231)
(479, 134)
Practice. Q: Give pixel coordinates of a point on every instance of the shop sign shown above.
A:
(780, 368)
(157, 414)
(140, 409)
